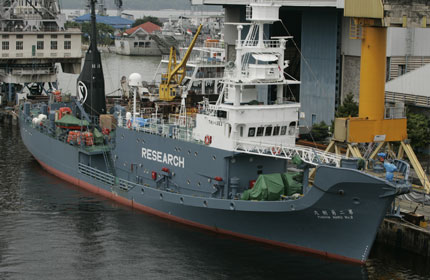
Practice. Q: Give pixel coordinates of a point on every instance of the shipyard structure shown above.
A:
(34, 43)
(327, 49)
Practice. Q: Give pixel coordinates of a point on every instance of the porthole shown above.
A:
(214, 157)
(181, 200)
(195, 153)
(161, 196)
(232, 206)
(143, 191)
(188, 182)
(205, 203)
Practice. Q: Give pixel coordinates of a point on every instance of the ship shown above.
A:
(232, 167)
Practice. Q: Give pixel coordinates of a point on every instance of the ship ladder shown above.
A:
(108, 162)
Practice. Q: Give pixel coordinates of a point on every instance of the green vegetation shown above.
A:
(349, 107)
(140, 21)
(418, 130)
(320, 131)
(104, 36)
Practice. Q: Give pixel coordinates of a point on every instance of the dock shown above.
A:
(403, 233)
(8, 115)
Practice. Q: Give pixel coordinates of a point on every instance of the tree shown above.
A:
(319, 131)
(349, 107)
(152, 19)
(72, 24)
(418, 130)
(104, 32)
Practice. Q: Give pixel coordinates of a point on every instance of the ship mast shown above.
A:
(91, 77)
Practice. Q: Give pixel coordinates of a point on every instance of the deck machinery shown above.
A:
(376, 122)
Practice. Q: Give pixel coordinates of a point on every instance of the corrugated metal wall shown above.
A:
(318, 65)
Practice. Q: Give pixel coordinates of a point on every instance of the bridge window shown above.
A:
(40, 45)
(284, 130)
(276, 130)
(19, 45)
(67, 45)
(251, 132)
(54, 45)
(67, 36)
(292, 128)
(268, 131)
(260, 131)
(5, 36)
(39, 36)
(20, 36)
(53, 36)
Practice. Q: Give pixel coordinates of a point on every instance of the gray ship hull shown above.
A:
(338, 217)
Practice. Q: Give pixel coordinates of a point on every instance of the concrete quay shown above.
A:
(402, 234)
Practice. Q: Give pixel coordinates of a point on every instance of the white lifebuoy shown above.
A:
(129, 123)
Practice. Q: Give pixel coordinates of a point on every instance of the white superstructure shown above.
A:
(238, 116)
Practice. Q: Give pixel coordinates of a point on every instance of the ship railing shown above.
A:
(106, 177)
(158, 127)
(96, 174)
(307, 154)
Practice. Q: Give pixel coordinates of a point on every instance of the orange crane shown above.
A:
(376, 123)
(171, 81)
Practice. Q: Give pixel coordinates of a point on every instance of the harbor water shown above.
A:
(50, 229)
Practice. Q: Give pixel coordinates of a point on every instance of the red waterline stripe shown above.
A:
(132, 204)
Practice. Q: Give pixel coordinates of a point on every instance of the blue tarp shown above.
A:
(116, 22)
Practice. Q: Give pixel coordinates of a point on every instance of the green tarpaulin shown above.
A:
(69, 120)
(292, 182)
(271, 186)
(267, 187)
(98, 137)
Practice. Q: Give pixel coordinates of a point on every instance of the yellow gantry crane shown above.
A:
(376, 123)
(171, 81)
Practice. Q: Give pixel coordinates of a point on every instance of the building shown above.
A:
(33, 40)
